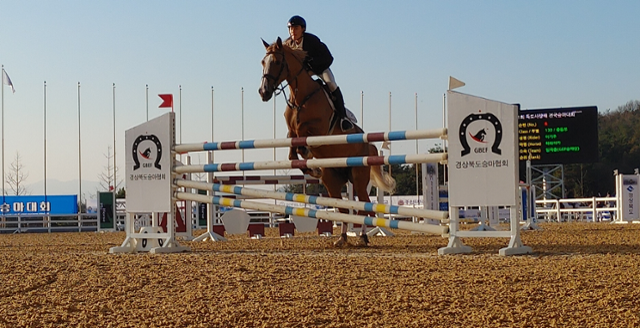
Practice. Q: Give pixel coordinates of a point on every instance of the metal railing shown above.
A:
(578, 209)
(50, 223)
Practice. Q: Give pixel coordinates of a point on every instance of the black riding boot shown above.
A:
(338, 102)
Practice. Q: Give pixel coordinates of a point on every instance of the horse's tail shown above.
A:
(382, 180)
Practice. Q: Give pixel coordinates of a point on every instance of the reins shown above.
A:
(281, 88)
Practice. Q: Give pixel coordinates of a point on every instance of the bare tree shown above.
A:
(16, 177)
(199, 176)
(107, 178)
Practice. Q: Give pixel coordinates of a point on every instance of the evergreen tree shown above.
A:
(618, 149)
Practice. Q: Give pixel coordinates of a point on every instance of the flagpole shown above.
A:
(362, 109)
(389, 119)
(389, 130)
(147, 100)
(210, 159)
(212, 124)
(79, 156)
(5, 80)
(115, 184)
(45, 146)
(3, 192)
(274, 149)
(416, 165)
(242, 119)
(274, 132)
(180, 105)
(115, 175)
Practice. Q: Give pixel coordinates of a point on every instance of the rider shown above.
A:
(318, 59)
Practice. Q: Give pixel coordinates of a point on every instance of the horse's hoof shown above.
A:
(341, 241)
(364, 239)
(307, 172)
(316, 173)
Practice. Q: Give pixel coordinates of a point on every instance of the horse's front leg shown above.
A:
(304, 154)
(293, 151)
(291, 133)
(293, 154)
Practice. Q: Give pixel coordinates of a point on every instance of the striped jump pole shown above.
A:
(266, 179)
(315, 140)
(314, 163)
(357, 219)
(325, 201)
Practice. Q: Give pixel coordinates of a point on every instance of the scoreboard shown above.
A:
(558, 135)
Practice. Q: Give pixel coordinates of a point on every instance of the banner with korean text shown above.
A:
(39, 205)
(629, 187)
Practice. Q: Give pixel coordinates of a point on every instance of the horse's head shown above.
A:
(274, 69)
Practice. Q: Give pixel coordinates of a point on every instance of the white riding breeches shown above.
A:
(329, 80)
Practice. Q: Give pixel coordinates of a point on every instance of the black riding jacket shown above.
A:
(318, 55)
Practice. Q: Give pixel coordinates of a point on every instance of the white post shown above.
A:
(188, 209)
(530, 202)
(211, 212)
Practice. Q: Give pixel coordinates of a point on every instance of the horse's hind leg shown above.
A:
(333, 180)
(360, 178)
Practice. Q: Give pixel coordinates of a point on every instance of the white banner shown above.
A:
(630, 197)
(430, 186)
(148, 165)
(483, 153)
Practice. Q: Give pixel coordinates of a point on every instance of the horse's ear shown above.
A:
(279, 42)
(266, 45)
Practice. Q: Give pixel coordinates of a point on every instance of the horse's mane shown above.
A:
(299, 54)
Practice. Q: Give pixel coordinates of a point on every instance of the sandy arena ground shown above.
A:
(581, 275)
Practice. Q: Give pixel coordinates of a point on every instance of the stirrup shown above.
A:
(345, 124)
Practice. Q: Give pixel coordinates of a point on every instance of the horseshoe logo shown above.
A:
(495, 148)
(134, 150)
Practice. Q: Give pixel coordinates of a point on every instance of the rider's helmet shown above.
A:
(297, 20)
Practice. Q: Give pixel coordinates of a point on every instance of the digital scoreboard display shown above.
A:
(558, 135)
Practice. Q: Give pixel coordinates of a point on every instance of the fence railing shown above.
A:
(578, 209)
(52, 223)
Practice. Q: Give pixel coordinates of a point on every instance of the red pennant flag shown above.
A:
(167, 100)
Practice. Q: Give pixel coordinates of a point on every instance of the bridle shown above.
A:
(281, 88)
(284, 63)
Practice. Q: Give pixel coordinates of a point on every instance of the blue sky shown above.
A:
(540, 54)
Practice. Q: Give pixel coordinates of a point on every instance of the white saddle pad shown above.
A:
(351, 117)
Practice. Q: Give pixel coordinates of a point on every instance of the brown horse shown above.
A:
(309, 113)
